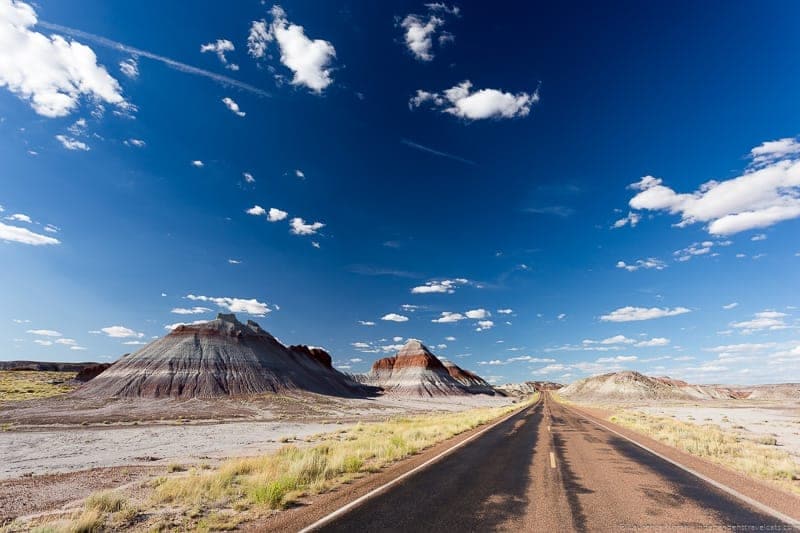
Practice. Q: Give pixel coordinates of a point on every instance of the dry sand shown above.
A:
(751, 419)
(56, 448)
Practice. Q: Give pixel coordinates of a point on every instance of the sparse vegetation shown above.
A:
(757, 458)
(18, 385)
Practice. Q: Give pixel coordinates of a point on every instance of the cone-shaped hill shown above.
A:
(222, 357)
(415, 371)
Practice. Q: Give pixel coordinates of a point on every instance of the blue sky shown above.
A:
(537, 193)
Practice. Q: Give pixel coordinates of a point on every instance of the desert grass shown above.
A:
(758, 457)
(17, 385)
(221, 498)
(276, 480)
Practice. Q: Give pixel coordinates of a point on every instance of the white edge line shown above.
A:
(724, 488)
(371, 494)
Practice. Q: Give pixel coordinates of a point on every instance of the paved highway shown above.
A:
(549, 469)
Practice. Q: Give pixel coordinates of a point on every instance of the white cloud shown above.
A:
(550, 369)
(356, 360)
(221, 47)
(394, 317)
(121, 332)
(445, 286)
(250, 306)
(649, 263)
(617, 359)
(631, 219)
(130, 67)
(276, 214)
(81, 348)
(234, 262)
(71, 143)
(10, 233)
(20, 217)
(52, 74)
(315, 244)
(44, 332)
(42, 342)
(450, 338)
(170, 327)
(448, 317)
(256, 210)
(562, 316)
(67, 342)
(299, 173)
(137, 143)
(696, 249)
(759, 237)
(478, 313)
(309, 60)
(654, 342)
(397, 339)
(730, 305)
(482, 104)
(505, 311)
(190, 310)
(248, 177)
(484, 325)
(763, 321)
(233, 106)
(632, 314)
(768, 192)
(299, 227)
(366, 322)
(419, 33)
(198, 164)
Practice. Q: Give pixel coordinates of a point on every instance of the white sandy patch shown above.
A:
(779, 421)
(64, 450)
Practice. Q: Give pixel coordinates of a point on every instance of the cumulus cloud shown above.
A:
(484, 325)
(654, 342)
(462, 102)
(233, 106)
(631, 219)
(256, 210)
(170, 327)
(300, 227)
(121, 332)
(309, 60)
(730, 305)
(50, 73)
(420, 32)
(251, 306)
(248, 177)
(276, 214)
(505, 311)
(136, 143)
(632, 314)
(763, 321)
(220, 47)
(478, 313)
(445, 286)
(394, 317)
(20, 217)
(767, 192)
(190, 310)
(448, 317)
(649, 263)
(71, 143)
(130, 67)
(9, 233)
(198, 164)
(366, 322)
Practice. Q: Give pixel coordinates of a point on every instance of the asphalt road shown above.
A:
(549, 469)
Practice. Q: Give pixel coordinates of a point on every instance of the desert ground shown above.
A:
(57, 449)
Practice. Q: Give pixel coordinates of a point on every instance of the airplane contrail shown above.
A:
(418, 146)
(177, 65)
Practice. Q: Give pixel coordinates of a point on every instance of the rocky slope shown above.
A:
(222, 357)
(628, 385)
(416, 371)
(471, 381)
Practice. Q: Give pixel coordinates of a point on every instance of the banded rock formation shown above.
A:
(415, 371)
(222, 357)
(629, 385)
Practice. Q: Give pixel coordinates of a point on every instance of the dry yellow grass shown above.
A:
(754, 458)
(223, 497)
(16, 385)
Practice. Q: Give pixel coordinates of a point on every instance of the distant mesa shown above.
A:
(630, 385)
(90, 372)
(222, 357)
(528, 387)
(416, 371)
